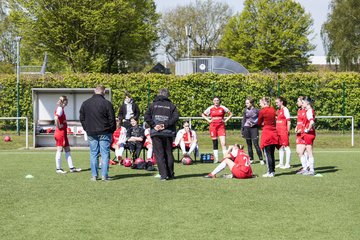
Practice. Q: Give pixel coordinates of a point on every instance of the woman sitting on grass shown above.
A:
(237, 161)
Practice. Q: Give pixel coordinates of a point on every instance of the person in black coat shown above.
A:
(129, 109)
(161, 116)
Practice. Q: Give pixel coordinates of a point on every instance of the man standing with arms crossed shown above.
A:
(98, 120)
(161, 117)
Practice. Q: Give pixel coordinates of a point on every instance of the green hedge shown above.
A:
(193, 93)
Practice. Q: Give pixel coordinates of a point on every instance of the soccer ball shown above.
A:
(186, 161)
(127, 162)
(7, 139)
(139, 160)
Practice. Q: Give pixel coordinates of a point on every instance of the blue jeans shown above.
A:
(99, 144)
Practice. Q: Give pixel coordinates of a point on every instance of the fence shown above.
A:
(317, 117)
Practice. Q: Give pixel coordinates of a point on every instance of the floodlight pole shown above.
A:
(17, 39)
(188, 29)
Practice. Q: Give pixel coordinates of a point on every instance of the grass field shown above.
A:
(138, 206)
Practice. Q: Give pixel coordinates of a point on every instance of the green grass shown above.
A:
(138, 206)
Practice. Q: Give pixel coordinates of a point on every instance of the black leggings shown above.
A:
(251, 136)
(270, 155)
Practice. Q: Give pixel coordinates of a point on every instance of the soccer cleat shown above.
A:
(279, 166)
(302, 172)
(210, 176)
(227, 176)
(60, 170)
(93, 179)
(74, 169)
(287, 166)
(268, 175)
(252, 161)
(309, 173)
(112, 162)
(262, 162)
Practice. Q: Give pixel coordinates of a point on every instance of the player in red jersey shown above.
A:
(301, 114)
(217, 125)
(237, 161)
(269, 137)
(62, 142)
(187, 140)
(307, 138)
(118, 142)
(283, 125)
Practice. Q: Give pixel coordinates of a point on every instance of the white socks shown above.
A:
(119, 151)
(303, 162)
(311, 164)
(224, 151)
(288, 155)
(68, 159)
(149, 153)
(58, 159)
(216, 156)
(192, 148)
(281, 155)
(219, 168)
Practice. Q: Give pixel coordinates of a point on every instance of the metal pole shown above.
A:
(17, 39)
(343, 106)
(27, 133)
(352, 131)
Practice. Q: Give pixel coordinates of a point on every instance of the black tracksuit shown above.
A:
(163, 111)
(97, 116)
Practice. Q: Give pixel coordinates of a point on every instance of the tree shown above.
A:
(90, 35)
(207, 19)
(341, 34)
(270, 34)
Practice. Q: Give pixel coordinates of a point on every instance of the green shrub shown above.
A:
(193, 93)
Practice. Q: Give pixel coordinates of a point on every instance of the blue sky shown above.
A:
(318, 9)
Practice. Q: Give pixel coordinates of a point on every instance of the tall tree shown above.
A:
(90, 35)
(207, 19)
(341, 34)
(270, 34)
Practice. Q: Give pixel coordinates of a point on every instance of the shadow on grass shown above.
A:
(325, 169)
(191, 175)
(132, 175)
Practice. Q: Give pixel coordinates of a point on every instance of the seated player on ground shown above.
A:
(237, 161)
(187, 140)
(118, 142)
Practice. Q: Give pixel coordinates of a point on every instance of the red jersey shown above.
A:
(60, 113)
(301, 114)
(267, 120)
(242, 167)
(282, 118)
(310, 116)
(217, 114)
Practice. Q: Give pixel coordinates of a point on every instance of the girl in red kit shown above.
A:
(217, 125)
(283, 124)
(307, 137)
(237, 161)
(269, 137)
(299, 129)
(62, 142)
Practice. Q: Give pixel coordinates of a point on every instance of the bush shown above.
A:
(193, 93)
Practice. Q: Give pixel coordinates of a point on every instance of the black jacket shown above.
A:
(123, 110)
(97, 116)
(162, 111)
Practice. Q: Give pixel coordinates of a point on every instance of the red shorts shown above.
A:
(238, 171)
(309, 138)
(217, 130)
(61, 139)
(283, 139)
(305, 139)
(300, 139)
